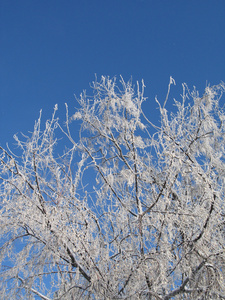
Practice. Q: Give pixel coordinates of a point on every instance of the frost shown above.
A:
(128, 210)
(77, 116)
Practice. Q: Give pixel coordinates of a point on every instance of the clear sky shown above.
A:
(51, 50)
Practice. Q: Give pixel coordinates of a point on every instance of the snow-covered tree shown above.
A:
(129, 209)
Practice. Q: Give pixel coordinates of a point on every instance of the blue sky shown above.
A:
(51, 50)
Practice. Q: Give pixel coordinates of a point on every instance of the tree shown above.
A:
(130, 210)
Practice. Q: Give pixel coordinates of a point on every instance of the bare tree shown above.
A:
(130, 210)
